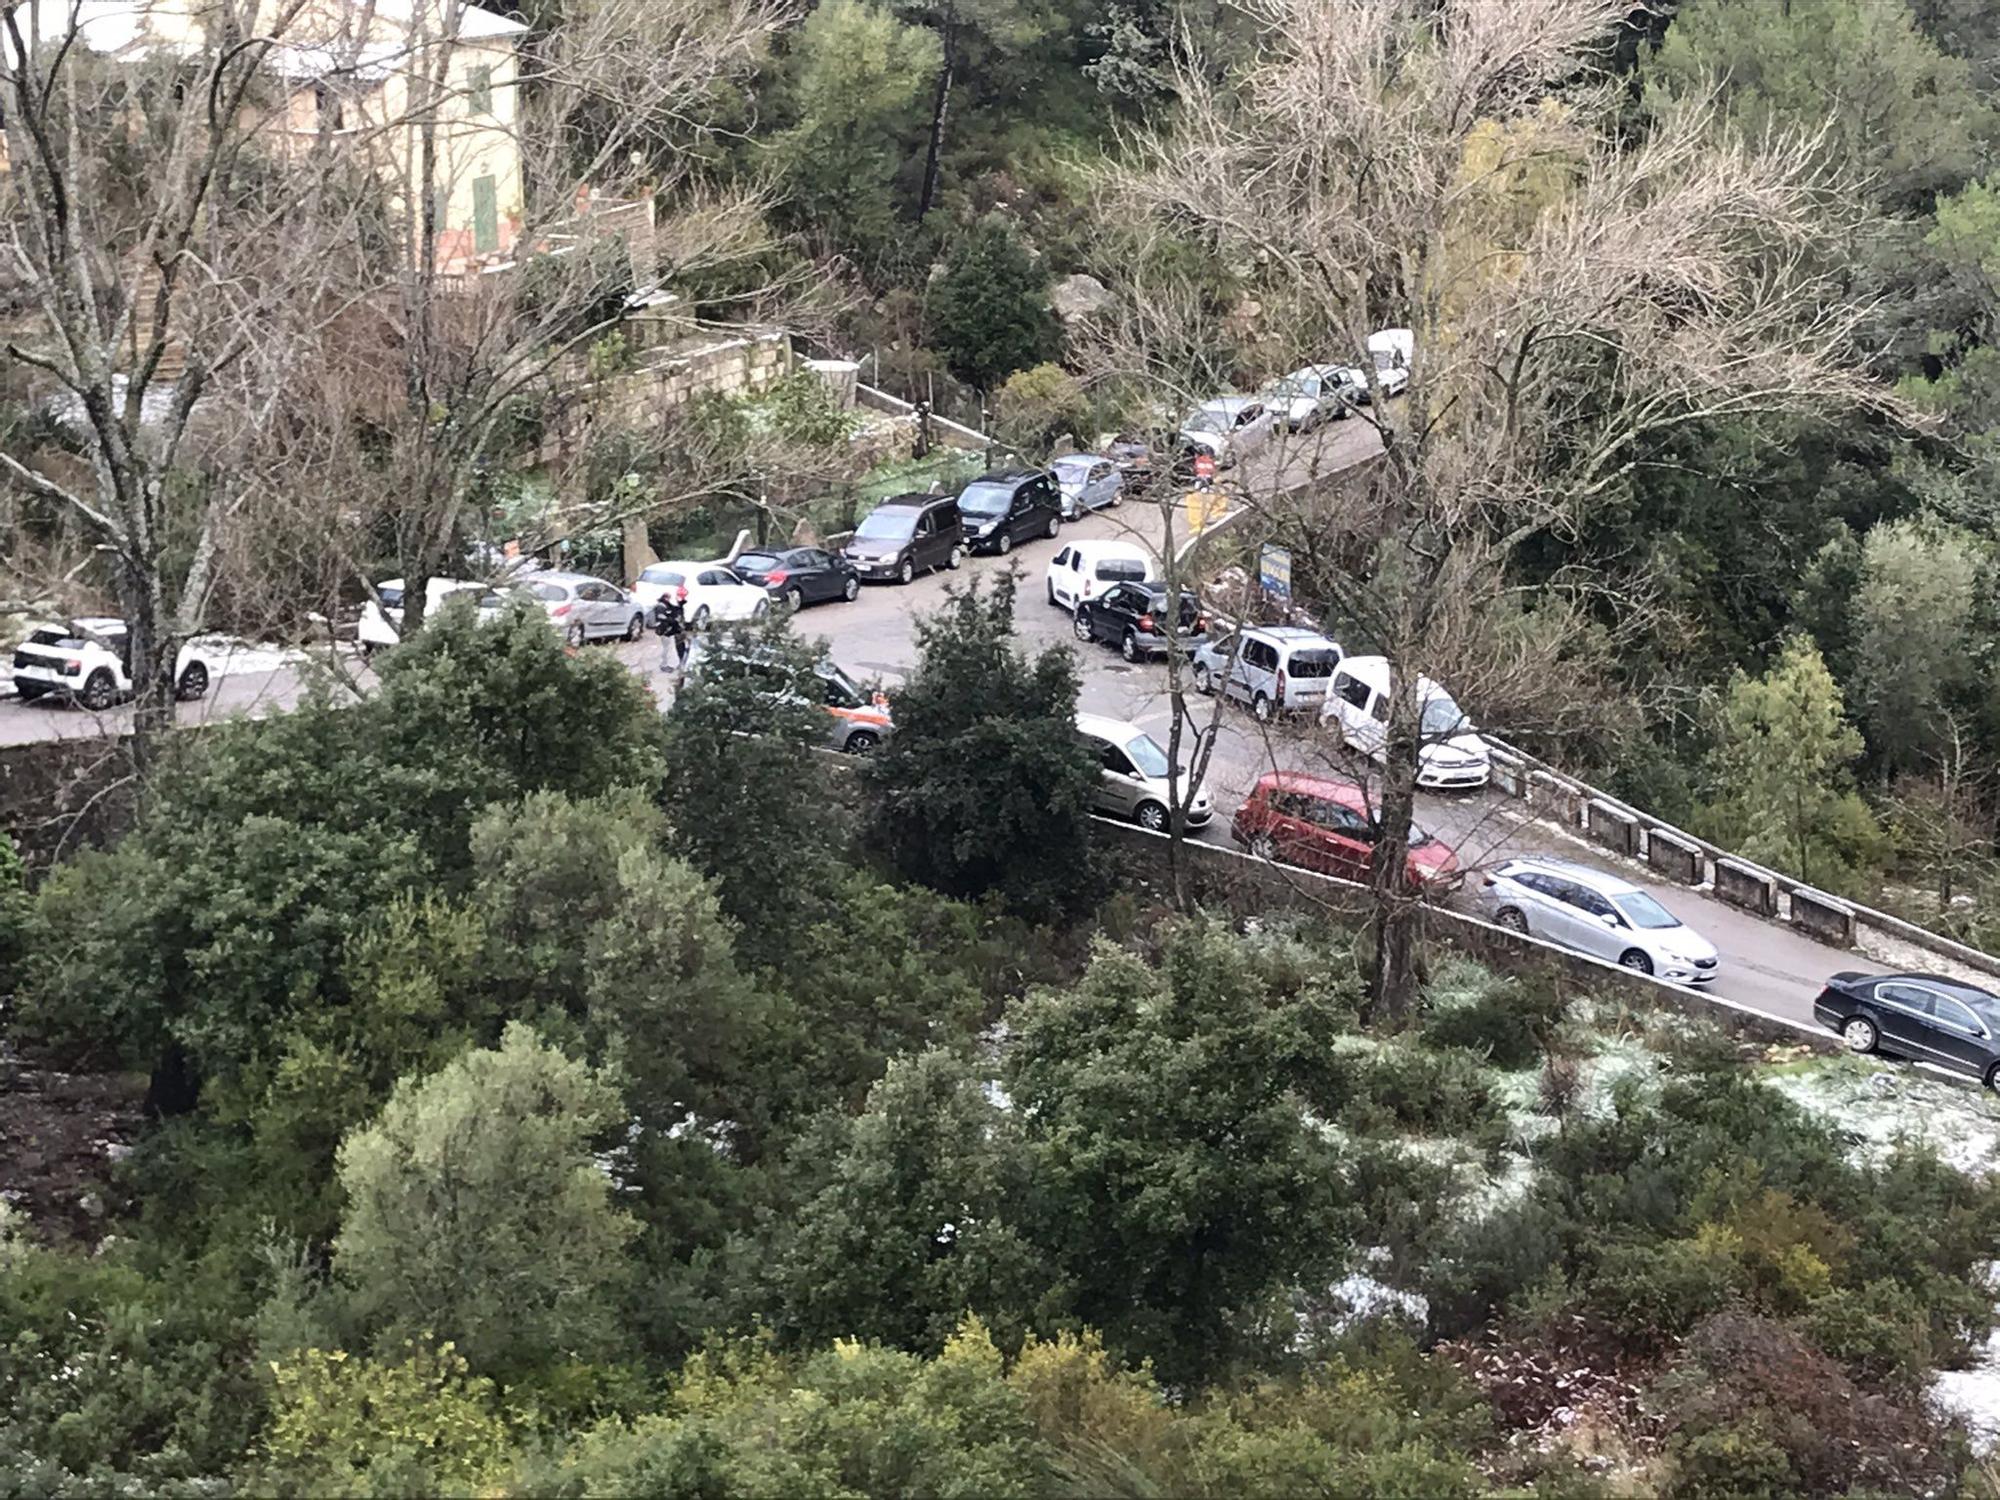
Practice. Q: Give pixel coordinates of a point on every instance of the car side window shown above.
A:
(1380, 712)
(1114, 760)
(927, 524)
(1908, 996)
(1352, 690)
(1346, 822)
(1593, 903)
(1954, 1014)
(1062, 558)
(1099, 473)
(1261, 654)
(1224, 647)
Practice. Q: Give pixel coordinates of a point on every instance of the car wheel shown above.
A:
(1152, 817)
(851, 590)
(1261, 707)
(193, 683)
(1510, 919)
(99, 692)
(1080, 626)
(760, 609)
(908, 572)
(862, 741)
(1636, 961)
(795, 598)
(956, 559)
(1264, 847)
(1055, 525)
(1204, 683)
(635, 627)
(1993, 1078)
(1006, 542)
(575, 635)
(701, 618)
(1052, 595)
(1129, 647)
(1860, 1034)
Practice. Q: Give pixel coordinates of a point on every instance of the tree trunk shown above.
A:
(1398, 963)
(938, 111)
(154, 655)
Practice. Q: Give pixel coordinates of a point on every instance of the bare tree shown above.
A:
(1943, 820)
(1459, 170)
(142, 223)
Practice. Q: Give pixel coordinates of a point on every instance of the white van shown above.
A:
(1449, 754)
(1393, 350)
(382, 625)
(1083, 570)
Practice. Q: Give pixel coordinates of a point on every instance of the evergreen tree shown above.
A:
(990, 309)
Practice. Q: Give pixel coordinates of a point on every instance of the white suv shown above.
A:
(1594, 912)
(89, 662)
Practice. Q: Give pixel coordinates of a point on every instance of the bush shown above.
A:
(1402, 1088)
(1509, 1024)
(1037, 406)
(1648, 1293)
(990, 309)
(1880, 1331)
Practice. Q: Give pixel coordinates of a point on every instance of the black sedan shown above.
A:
(1133, 617)
(799, 576)
(1918, 1016)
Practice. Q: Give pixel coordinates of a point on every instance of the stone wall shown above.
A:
(672, 376)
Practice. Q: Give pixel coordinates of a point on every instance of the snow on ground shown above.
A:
(1365, 1299)
(1974, 1396)
(227, 657)
(1879, 1104)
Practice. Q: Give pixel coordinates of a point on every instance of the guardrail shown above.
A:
(1688, 860)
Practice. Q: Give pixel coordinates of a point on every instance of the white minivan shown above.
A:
(1083, 570)
(1449, 753)
(1393, 350)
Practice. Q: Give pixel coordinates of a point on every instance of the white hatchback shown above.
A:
(1083, 570)
(713, 591)
(88, 661)
(1604, 915)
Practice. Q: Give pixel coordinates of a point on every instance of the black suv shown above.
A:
(1918, 1016)
(1132, 617)
(1009, 506)
(905, 535)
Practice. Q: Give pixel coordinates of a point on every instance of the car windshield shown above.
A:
(392, 596)
(841, 689)
(1442, 718)
(757, 562)
(1073, 470)
(1147, 755)
(1209, 419)
(887, 525)
(985, 499)
(1121, 569)
(669, 576)
(1295, 386)
(1641, 910)
(1314, 661)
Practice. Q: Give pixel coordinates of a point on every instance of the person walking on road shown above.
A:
(669, 622)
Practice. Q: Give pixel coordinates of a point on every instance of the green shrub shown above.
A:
(1404, 1088)
(1509, 1025)
(1648, 1292)
(1730, 1463)
(1881, 1332)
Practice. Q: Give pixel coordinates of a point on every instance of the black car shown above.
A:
(1918, 1016)
(906, 535)
(799, 575)
(1009, 506)
(1132, 617)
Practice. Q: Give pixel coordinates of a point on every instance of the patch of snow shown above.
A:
(1367, 1299)
(227, 656)
(1974, 1396)
(1877, 1105)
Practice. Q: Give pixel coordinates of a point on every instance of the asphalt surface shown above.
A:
(1762, 964)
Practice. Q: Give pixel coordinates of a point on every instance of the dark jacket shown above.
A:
(669, 617)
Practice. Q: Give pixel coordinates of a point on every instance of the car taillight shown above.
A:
(775, 578)
(1146, 623)
(1281, 684)
(559, 611)
(72, 668)
(1201, 624)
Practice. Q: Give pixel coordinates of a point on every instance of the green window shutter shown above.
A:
(485, 216)
(479, 96)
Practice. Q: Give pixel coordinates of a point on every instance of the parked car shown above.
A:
(906, 535)
(1088, 481)
(1273, 668)
(799, 576)
(1228, 428)
(1918, 1016)
(1083, 570)
(1604, 915)
(1320, 823)
(859, 718)
(714, 592)
(89, 661)
(1132, 616)
(1318, 393)
(382, 625)
(1135, 455)
(1135, 781)
(1392, 350)
(585, 608)
(1449, 753)
(1010, 506)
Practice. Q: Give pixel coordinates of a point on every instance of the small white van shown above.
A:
(1393, 350)
(1083, 570)
(1449, 753)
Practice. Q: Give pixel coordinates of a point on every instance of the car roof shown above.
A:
(913, 500)
(1005, 476)
(1601, 881)
(552, 575)
(1296, 634)
(687, 565)
(1331, 788)
(102, 624)
(1374, 671)
(1106, 546)
(1077, 460)
(1118, 731)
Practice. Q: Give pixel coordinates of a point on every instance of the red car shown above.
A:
(1322, 824)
